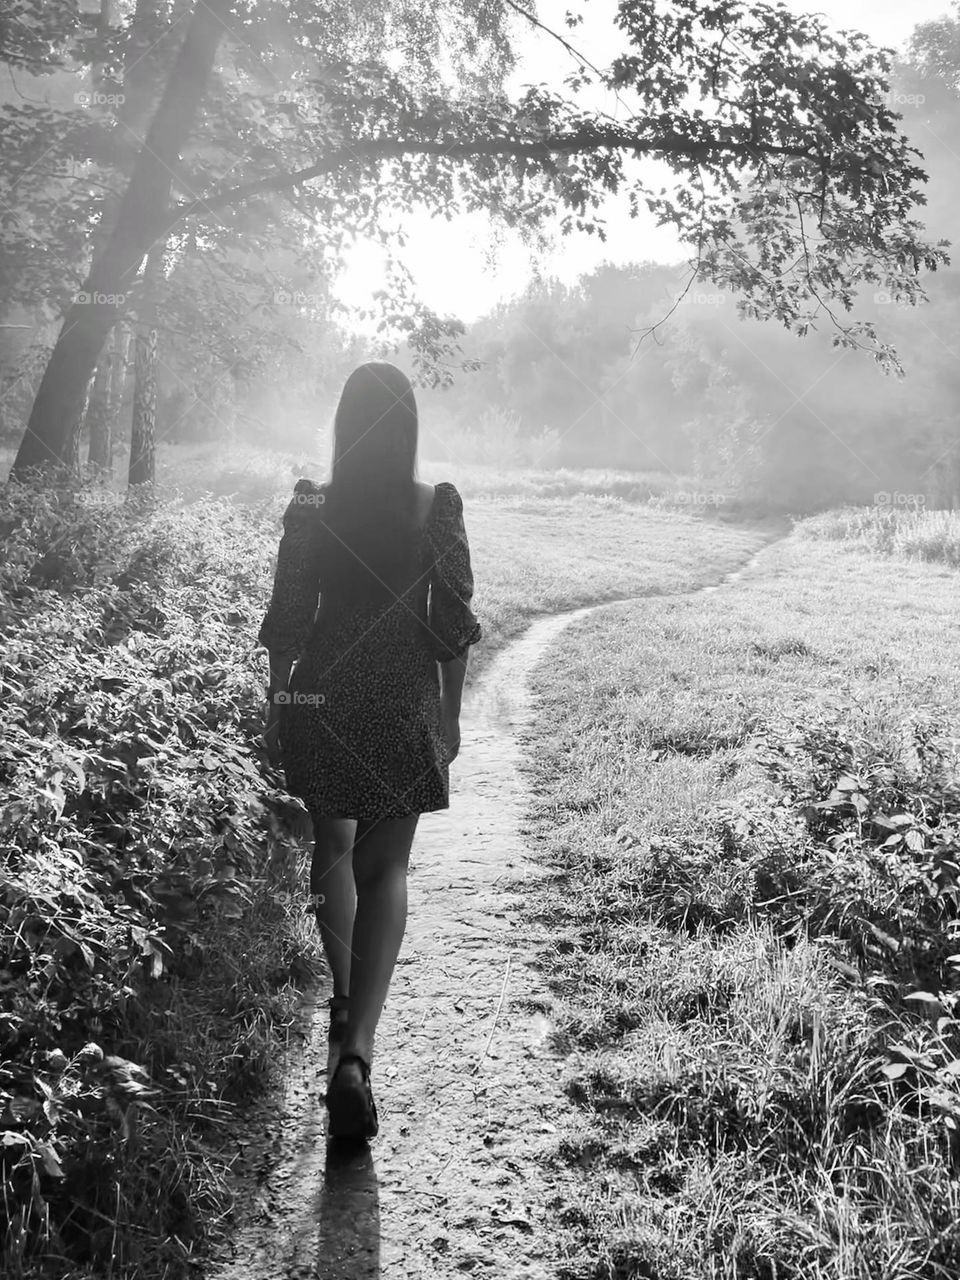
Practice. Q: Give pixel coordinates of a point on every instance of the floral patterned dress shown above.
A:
(360, 729)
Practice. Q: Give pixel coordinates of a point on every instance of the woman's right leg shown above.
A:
(334, 894)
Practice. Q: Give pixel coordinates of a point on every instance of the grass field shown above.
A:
(144, 850)
(749, 802)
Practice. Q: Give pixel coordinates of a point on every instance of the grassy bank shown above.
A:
(903, 531)
(750, 806)
(153, 937)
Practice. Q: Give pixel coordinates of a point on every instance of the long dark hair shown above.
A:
(370, 506)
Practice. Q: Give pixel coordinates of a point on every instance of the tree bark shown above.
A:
(76, 434)
(143, 432)
(118, 386)
(142, 215)
(98, 411)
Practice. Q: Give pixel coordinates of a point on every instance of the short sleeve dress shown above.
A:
(360, 729)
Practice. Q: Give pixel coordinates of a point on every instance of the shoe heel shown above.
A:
(351, 1111)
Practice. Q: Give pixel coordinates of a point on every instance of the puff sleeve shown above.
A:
(296, 586)
(452, 625)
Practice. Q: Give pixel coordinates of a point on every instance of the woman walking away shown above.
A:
(367, 724)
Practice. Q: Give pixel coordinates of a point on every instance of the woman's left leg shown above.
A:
(380, 858)
(334, 895)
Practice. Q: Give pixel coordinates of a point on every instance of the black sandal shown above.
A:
(351, 1109)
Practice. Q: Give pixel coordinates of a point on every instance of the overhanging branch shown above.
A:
(533, 149)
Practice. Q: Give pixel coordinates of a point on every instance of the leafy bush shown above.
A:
(859, 849)
(149, 932)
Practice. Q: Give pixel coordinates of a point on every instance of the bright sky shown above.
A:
(466, 266)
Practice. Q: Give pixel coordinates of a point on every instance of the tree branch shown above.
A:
(541, 149)
(532, 18)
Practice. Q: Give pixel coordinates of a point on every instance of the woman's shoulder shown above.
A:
(307, 502)
(447, 496)
(306, 486)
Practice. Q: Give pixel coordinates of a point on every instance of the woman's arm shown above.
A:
(452, 676)
(279, 673)
(279, 679)
(293, 603)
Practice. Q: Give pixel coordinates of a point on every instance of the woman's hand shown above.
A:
(271, 732)
(450, 724)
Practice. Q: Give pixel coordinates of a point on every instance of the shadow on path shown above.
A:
(347, 1214)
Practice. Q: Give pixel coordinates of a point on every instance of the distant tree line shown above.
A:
(587, 375)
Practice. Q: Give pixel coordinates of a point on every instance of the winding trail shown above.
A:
(467, 1087)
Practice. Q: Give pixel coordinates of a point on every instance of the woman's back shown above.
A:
(365, 691)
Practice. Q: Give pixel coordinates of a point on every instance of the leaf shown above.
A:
(848, 970)
(51, 1161)
(894, 1070)
(943, 1099)
(74, 767)
(926, 997)
(893, 944)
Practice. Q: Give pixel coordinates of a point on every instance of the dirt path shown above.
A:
(466, 1085)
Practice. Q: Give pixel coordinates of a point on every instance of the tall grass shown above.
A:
(914, 534)
(750, 805)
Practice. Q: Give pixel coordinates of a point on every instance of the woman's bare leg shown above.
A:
(381, 853)
(332, 886)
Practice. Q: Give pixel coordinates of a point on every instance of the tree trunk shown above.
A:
(118, 386)
(143, 432)
(76, 435)
(98, 410)
(141, 218)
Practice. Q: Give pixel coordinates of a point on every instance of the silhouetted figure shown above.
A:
(368, 723)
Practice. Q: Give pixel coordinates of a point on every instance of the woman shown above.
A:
(368, 723)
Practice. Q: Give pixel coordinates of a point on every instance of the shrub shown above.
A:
(149, 934)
